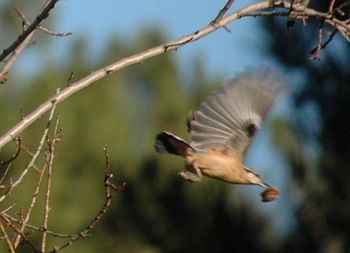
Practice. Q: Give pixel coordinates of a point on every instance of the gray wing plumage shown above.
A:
(230, 117)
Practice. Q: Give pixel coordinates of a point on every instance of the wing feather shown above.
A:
(230, 117)
(206, 123)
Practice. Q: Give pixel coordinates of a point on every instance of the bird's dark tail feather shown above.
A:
(169, 143)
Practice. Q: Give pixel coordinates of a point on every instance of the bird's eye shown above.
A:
(251, 129)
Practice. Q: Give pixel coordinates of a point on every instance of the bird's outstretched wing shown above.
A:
(230, 117)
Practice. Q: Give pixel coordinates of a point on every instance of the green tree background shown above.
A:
(157, 211)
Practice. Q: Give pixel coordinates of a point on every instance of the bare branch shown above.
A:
(70, 78)
(9, 162)
(5, 69)
(30, 154)
(3, 176)
(331, 35)
(222, 13)
(7, 239)
(40, 229)
(16, 230)
(43, 15)
(339, 8)
(50, 158)
(32, 161)
(108, 200)
(317, 53)
(23, 40)
(331, 6)
(40, 27)
(15, 155)
(224, 10)
(52, 33)
(23, 221)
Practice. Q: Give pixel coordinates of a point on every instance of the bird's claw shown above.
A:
(190, 176)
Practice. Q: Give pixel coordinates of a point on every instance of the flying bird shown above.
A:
(221, 130)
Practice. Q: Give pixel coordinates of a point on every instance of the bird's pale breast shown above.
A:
(219, 163)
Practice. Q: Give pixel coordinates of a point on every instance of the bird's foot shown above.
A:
(190, 176)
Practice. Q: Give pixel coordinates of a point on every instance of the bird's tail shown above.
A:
(168, 143)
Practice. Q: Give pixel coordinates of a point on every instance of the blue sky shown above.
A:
(222, 52)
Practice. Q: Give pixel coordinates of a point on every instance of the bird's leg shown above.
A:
(189, 176)
(198, 171)
(192, 173)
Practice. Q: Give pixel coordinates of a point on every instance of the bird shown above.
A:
(301, 4)
(222, 128)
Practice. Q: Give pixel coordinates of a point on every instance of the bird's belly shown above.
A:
(219, 165)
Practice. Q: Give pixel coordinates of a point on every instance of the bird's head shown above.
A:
(269, 194)
(254, 178)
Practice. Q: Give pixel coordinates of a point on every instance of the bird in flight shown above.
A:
(221, 130)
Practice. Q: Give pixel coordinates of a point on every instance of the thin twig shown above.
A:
(51, 156)
(6, 209)
(43, 15)
(224, 10)
(316, 56)
(7, 239)
(70, 78)
(9, 162)
(23, 40)
(340, 26)
(52, 33)
(23, 222)
(15, 155)
(316, 52)
(222, 13)
(40, 27)
(29, 153)
(16, 230)
(291, 17)
(40, 229)
(325, 44)
(37, 187)
(331, 6)
(20, 13)
(32, 161)
(339, 8)
(11, 60)
(108, 200)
